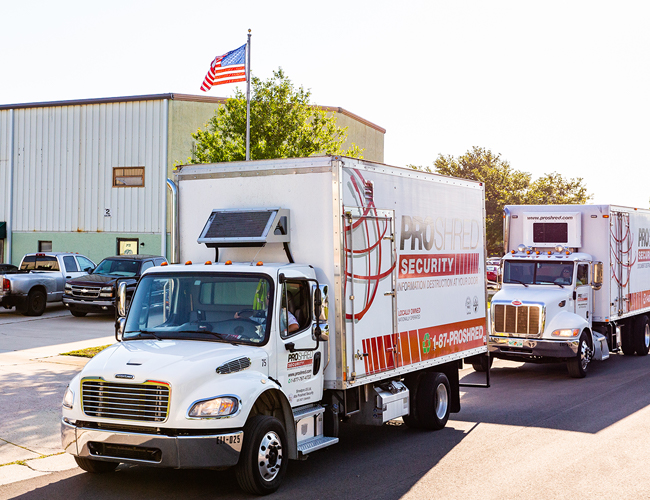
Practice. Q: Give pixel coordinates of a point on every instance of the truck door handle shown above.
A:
(386, 294)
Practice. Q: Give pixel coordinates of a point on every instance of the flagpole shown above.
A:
(248, 98)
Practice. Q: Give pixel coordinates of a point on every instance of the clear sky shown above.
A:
(552, 86)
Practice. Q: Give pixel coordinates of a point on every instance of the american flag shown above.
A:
(228, 68)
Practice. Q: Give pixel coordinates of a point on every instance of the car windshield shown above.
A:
(538, 273)
(118, 267)
(232, 308)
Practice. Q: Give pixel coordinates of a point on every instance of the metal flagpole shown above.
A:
(248, 98)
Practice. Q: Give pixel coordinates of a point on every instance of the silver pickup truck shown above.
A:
(41, 278)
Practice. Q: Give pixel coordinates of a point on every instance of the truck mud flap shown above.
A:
(487, 378)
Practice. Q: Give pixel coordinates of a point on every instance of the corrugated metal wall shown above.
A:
(63, 166)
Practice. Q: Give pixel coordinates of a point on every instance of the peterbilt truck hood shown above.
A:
(174, 361)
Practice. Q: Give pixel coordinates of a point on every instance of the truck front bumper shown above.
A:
(178, 452)
(532, 349)
(88, 305)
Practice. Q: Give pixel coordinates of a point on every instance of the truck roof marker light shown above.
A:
(228, 262)
(537, 252)
(208, 262)
(188, 263)
(605, 216)
(512, 252)
(164, 264)
(549, 252)
(259, 263)
(568, 253)
(527, 252)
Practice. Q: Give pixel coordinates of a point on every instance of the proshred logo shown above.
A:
(442, 233)
(643, 254)
(299, 359)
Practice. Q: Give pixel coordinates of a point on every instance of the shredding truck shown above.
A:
(576, 285)
(311, 292)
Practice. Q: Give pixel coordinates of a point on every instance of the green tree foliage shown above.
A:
(505, 185)
(283, 124)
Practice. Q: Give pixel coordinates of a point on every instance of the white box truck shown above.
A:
(319, 290)
(576, 285)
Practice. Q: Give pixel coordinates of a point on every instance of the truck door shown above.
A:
(583, 302)
(299, 372)
(372, 340)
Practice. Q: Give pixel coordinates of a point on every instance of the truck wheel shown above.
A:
(433, 400)
(262, 463)
(412, 381)
(641, 334)
(627, 338)
(578, 366)
(95, 466)
(36, 301)
(78, 314)
(482, 363)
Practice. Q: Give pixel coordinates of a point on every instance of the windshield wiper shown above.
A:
(146, 332)
(517, 281)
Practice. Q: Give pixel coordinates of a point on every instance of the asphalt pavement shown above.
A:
(33, 378)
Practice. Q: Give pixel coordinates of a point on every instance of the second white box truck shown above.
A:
(320, 290)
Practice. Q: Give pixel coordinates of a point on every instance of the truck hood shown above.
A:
(543, 294)
(94, 279)
(172, 361)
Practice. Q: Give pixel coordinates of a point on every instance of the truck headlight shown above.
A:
(217, 407)
(68, 398)
(567, 332)
(106, 291)
(68, 289)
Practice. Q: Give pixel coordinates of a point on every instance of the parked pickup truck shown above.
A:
(40, 278)
(96, 291)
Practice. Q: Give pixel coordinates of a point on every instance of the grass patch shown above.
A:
(86, 353)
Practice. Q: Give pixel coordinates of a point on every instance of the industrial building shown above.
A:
(91, 176)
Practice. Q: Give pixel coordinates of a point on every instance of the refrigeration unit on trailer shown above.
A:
(313, 291)
(576, 285)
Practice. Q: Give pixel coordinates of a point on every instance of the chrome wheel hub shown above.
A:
(269, 456)
(442, 401)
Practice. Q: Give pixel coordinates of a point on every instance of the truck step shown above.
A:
(307, 411)
(316, 443)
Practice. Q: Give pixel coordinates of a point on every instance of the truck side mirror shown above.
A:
(321, 310)
(119, 328)
(120, 302)
(597, 275)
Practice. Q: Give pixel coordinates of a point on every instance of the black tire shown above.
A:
(482, 363)
(78, 314)
(95, 466)
(412, 381)
(578, 366)
(262, 463)
(627, 339)
(36, 302)
(433, 400)
(641, 335)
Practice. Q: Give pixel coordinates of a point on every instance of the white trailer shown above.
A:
(383, 270)
(576, 284)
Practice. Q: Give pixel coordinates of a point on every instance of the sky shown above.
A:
(553, 86)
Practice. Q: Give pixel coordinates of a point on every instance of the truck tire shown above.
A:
(95, 466)
(482, 363)
(262, 463)
(433, 400)
(578, 366)
(627, 338)
(641, 335)
(412, 381)
(36, 302)
(78, 314)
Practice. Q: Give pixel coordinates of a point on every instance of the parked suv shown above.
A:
(96, 292)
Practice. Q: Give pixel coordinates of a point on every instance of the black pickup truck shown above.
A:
(96, 292)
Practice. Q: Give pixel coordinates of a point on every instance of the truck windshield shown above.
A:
(203, 306)
(538, 273)
(121, 267)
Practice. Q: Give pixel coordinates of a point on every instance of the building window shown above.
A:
(128, 177)
(44, 246)
(127, 246)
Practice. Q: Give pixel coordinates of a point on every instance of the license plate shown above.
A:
(515, 343)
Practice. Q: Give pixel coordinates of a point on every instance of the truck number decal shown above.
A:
(229, 439)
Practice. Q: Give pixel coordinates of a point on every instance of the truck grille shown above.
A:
(518, 320)
(148, 402)
(85, 292)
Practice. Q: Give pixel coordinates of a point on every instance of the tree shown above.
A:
(505, 185)
(283, 124)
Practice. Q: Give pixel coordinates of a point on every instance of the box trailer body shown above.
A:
(605, 250)
(389, 266)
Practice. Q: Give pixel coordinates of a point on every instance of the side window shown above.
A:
(582, 278)
(70, 264)
(296, 308)
(146, 265)
(84, 263)
(159, 261)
